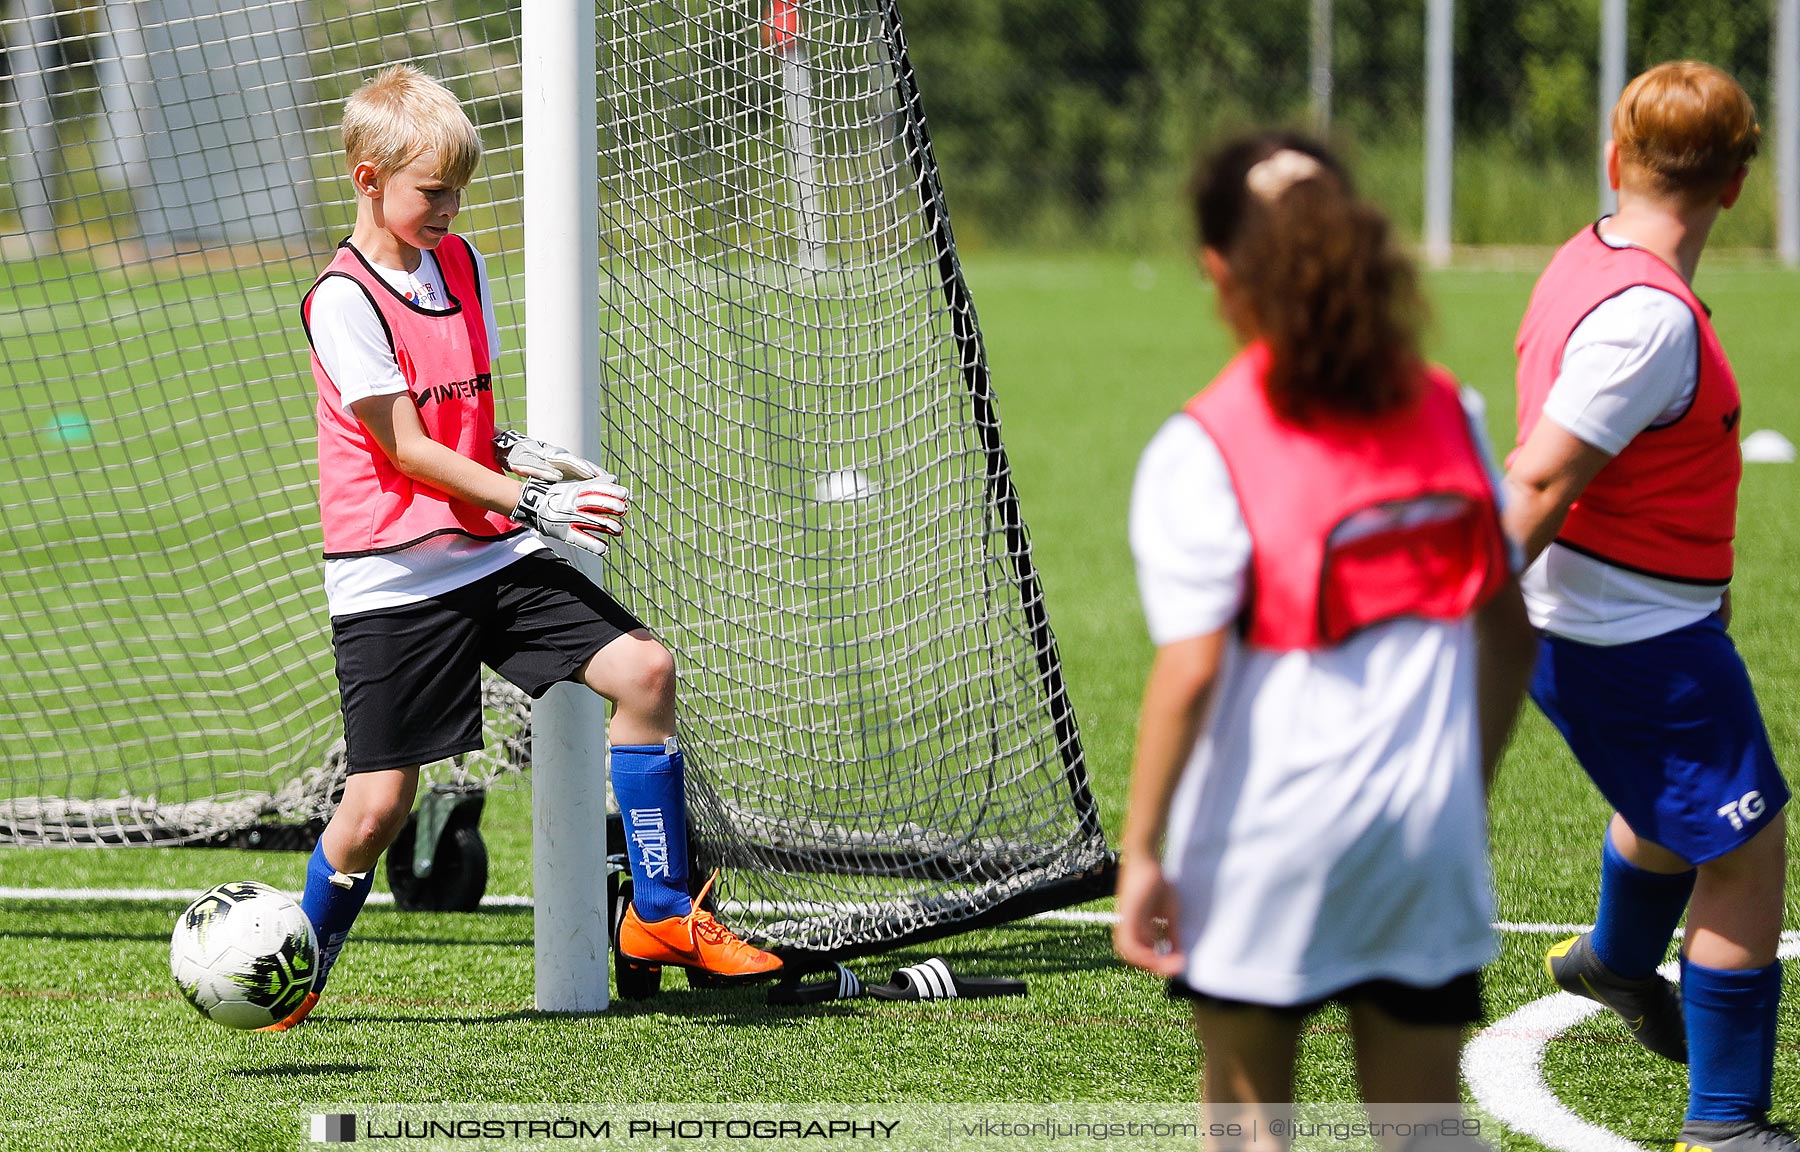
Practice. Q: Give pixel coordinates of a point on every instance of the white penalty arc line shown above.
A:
(1504, 1066)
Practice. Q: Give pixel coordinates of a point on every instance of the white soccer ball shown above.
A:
(244, 955)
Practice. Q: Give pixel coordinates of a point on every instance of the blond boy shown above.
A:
(435, 561)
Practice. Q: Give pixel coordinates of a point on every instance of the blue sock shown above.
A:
(1731, 1039)
(332, 908)
(1638, 913)
(648, 779)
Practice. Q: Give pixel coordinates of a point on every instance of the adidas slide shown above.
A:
(792, 991)
(933, 980)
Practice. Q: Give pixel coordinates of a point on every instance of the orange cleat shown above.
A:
(697, 942)
(293, 1017)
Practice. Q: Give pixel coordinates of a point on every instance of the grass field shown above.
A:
(97, 1051)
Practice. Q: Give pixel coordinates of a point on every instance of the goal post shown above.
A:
(562, 406)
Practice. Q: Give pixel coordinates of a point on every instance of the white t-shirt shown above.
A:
(352, 344)
(1633, 363)
(1330, 825)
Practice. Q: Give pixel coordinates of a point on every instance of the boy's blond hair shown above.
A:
(1687, 126)
(402, 114)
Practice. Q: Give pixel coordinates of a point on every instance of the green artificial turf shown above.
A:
(1089, 355)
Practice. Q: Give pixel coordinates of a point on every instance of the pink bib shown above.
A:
(1317, 574)
(1667, 505)
(367, 505)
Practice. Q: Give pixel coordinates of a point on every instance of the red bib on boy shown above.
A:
(1666, 506)
(1333, 549)
(368, 506)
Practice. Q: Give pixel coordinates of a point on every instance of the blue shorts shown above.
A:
(1669, 731)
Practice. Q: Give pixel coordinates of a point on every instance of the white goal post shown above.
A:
(562, 361)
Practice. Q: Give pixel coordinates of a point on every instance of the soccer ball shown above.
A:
(244, 955)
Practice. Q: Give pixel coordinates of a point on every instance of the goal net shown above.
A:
(170, 188)
(825, 529)
(879, 739)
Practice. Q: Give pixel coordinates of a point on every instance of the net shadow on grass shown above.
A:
(275, 1070)
(708, 1008)
(364, 938)
(1043, 952)
(702, 1008)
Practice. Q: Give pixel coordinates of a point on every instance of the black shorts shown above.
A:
(410, 677)
(1453, 1004)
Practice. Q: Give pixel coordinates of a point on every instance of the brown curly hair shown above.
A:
(1316, 275)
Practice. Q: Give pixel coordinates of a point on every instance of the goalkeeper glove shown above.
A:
(579, 512)
(541, 461)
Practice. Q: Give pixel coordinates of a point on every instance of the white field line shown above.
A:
(1504, 1065)
(155, 895)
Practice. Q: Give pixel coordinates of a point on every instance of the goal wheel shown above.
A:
(459, 871)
